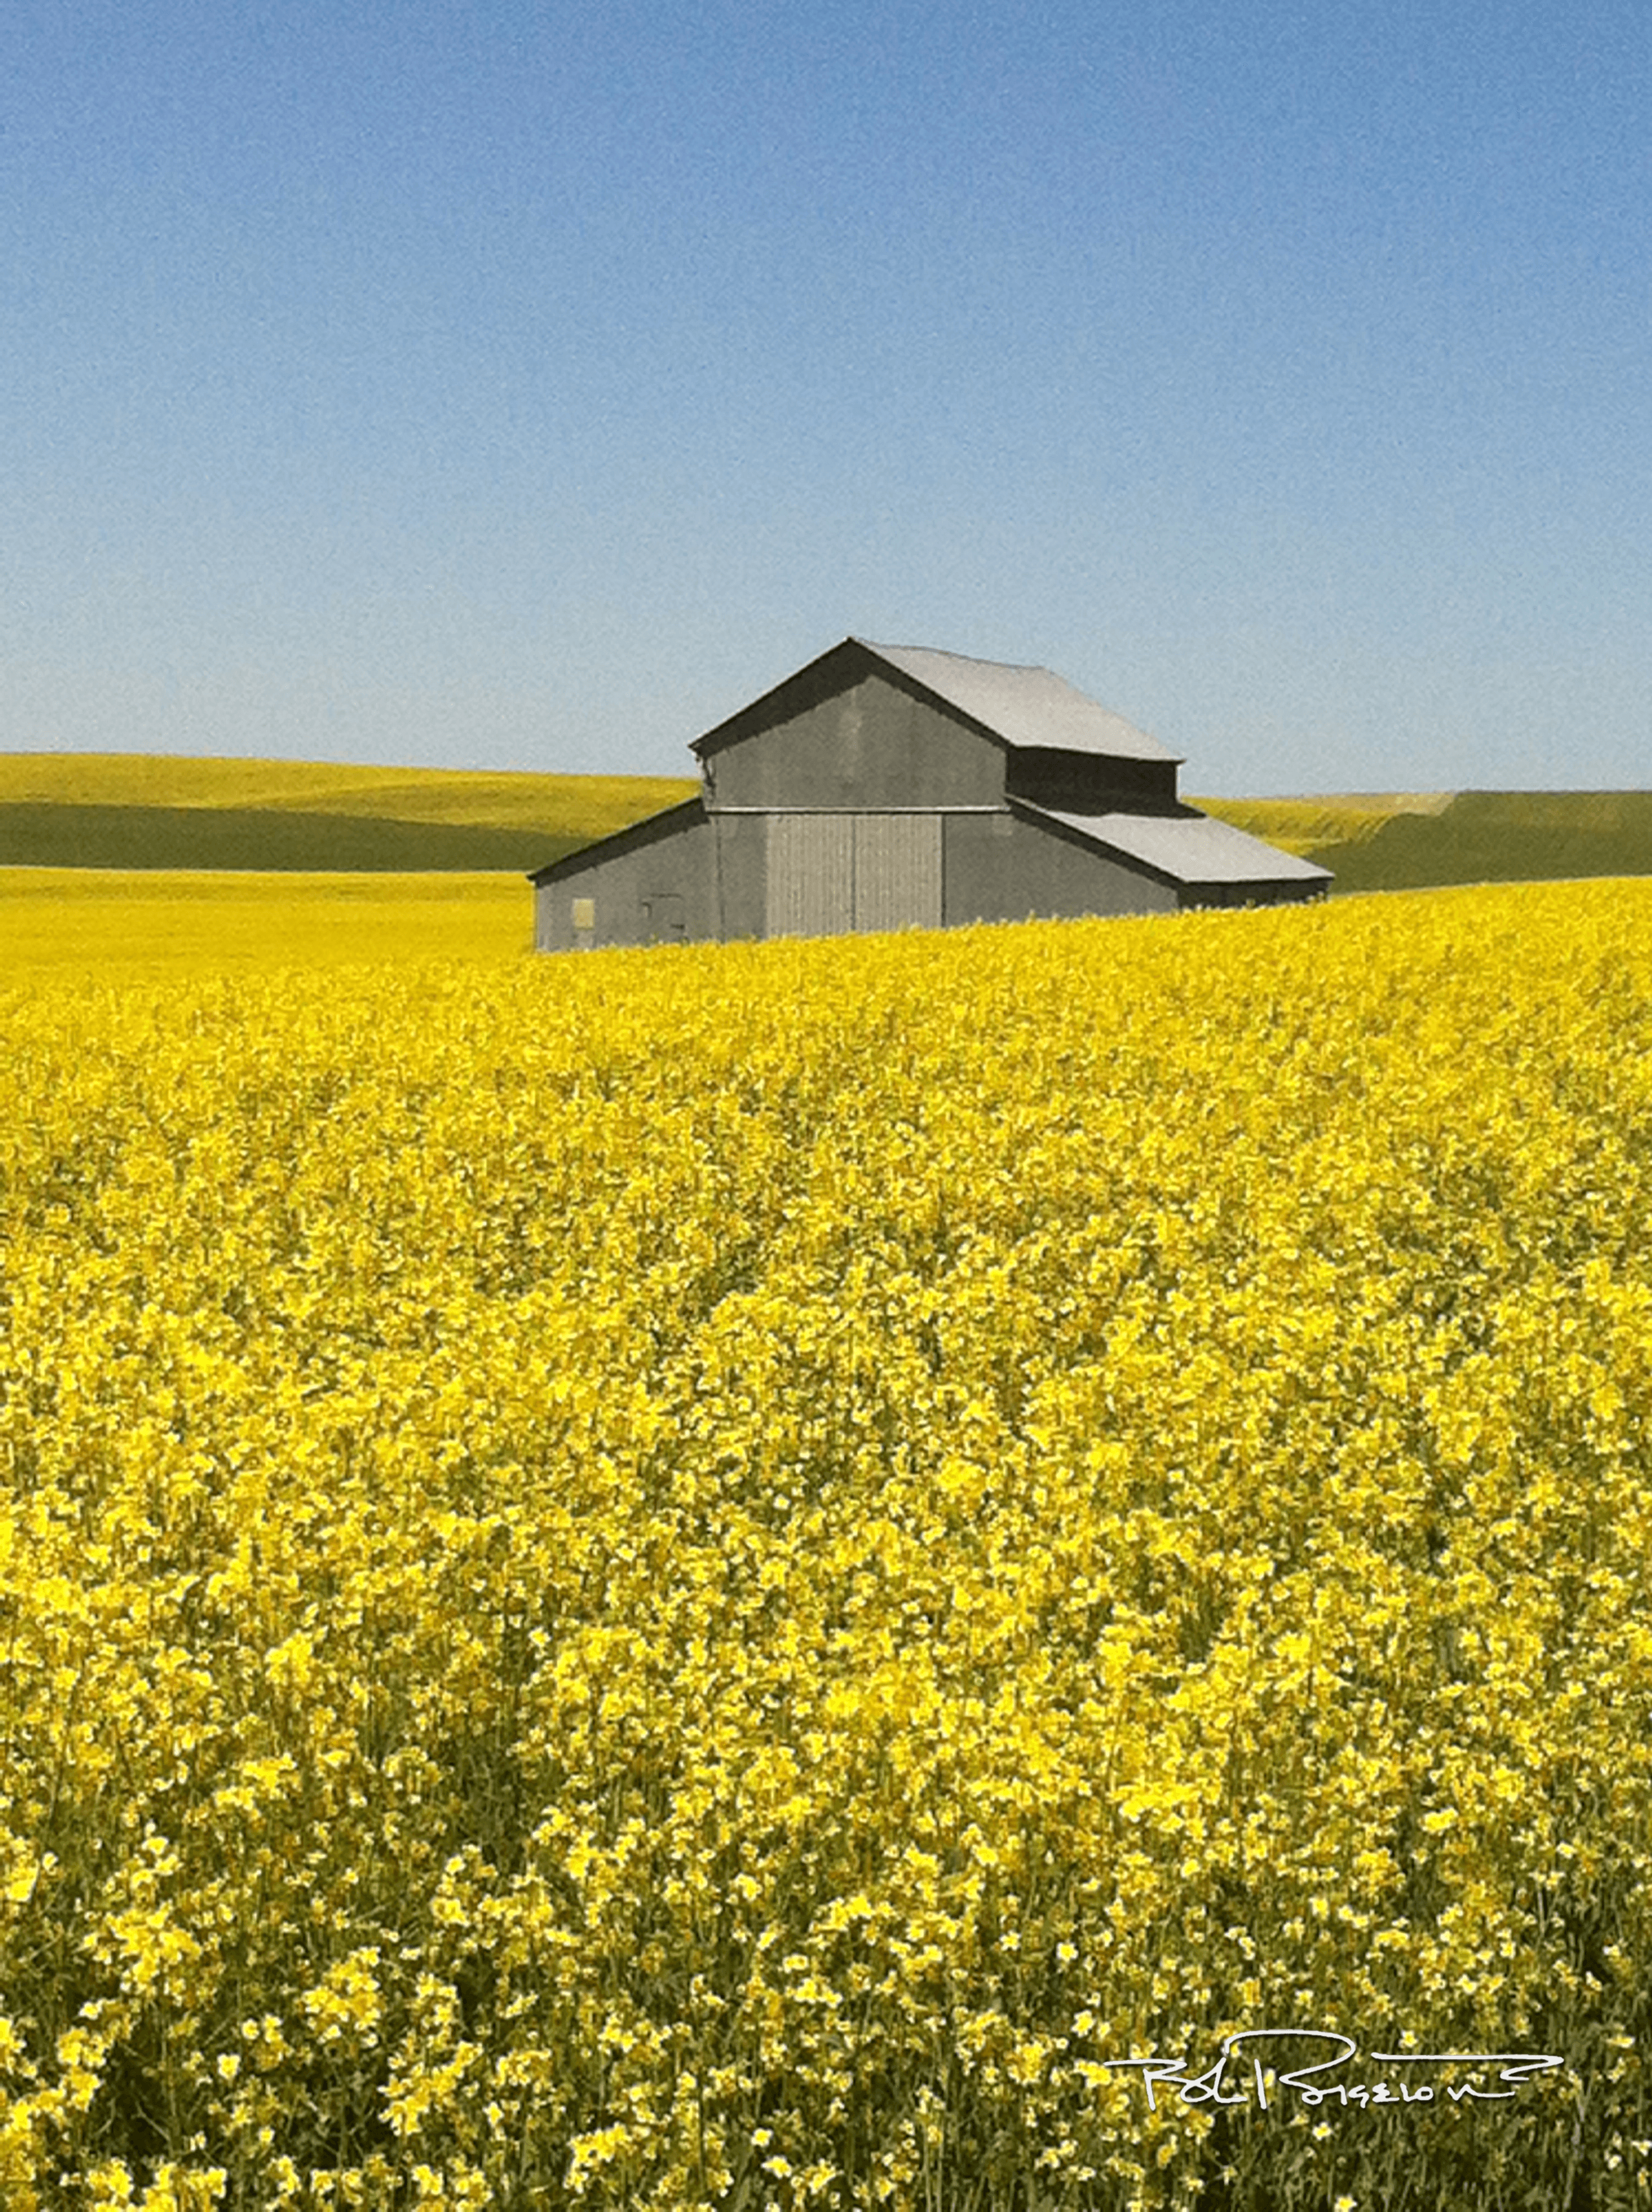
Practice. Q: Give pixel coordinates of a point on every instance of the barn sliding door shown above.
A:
(810, 890)
(897, 870)
(829, 873)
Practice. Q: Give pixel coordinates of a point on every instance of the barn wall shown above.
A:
(1291, 891)
(819, 874)
(1000, 868)
(871, 746)
(657, 892)
(742, 868)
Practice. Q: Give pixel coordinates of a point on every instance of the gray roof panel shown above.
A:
(1024, 706)
(1190, 848)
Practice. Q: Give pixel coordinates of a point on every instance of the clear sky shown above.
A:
(481, 384)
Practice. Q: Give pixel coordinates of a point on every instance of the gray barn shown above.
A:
(894, 787)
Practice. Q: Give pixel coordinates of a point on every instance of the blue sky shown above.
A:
(503, 385)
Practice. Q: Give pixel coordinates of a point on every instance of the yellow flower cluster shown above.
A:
(706, 1577)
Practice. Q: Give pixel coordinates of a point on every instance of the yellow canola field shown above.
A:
(706, 1577)
(125, 922)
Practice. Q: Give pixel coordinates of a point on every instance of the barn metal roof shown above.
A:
(1190, 848)
(1024, 706)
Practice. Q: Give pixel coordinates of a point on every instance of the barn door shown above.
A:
(829, 873)
(897, 871)
(811, 887)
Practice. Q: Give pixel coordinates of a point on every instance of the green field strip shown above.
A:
(1491, 838)
(113, 837)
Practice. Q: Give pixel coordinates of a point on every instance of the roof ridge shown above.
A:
(974, 660)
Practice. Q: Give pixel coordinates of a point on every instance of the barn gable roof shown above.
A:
(1030, 706)
(1186, 849)
(1018, 706)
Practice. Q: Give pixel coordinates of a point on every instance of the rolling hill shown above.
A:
(1411, 842)
(152, 810)
(135, 810)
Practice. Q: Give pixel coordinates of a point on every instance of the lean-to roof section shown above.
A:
(1189, 848)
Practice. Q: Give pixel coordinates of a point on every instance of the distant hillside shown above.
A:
(152, 810)
(1401, 841)
(1500, 837)
(1305, 826)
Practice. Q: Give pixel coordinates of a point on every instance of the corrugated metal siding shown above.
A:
(1009, 867)
(897, 870)
(830, 873)
(811, 887)
(869, 748)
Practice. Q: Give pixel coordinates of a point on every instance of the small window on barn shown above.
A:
(585, 914)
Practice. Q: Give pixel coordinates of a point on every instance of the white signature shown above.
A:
(1218, 2085)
